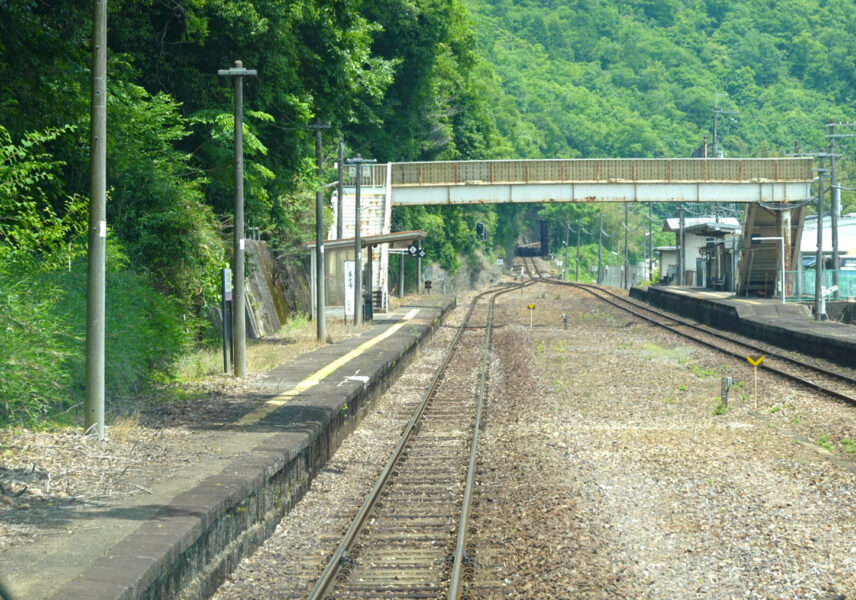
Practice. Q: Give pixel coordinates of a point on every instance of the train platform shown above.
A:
(788, 325)
(183, 538)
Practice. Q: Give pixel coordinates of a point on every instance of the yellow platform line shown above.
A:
(271, 405)
(746, 301)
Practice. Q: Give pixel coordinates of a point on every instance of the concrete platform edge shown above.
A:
(726, 317)
(189, 548)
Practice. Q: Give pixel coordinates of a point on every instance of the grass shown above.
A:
(823, 442)
(123, 427)
(849, 445)
(721, 408)
(775, 409)
(702, 373)
(296, 337)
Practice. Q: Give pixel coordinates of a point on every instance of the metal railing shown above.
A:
(660, 170)
(800, 285)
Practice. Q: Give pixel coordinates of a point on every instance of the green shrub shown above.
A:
(43, 339)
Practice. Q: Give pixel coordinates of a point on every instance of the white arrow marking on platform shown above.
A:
(355, 377)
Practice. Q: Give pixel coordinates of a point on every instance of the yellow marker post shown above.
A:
(531, 308)
(755, 362)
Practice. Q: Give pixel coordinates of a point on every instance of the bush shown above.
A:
(43, 339)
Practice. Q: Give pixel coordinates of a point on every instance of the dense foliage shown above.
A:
(399, 80)
(599, 78)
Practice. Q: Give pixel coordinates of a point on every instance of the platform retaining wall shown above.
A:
(191, 546)
(744, 321)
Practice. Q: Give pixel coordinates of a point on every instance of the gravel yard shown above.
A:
(609, 468)
(606, 471)
(684, 502)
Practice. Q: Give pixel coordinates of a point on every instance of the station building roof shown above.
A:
(705, 226)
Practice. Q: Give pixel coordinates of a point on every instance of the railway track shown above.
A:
(409, 538)
(813, 376)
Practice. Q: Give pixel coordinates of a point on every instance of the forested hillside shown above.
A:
(398, 80)
(641, 78)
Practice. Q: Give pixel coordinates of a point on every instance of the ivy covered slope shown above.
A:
(640, 78)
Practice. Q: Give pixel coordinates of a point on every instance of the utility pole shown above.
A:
(579, 230)
(93, 408)
(567, 239)
(340, 191)
(358, 162)
(650, 241)
(717, 153)
(599, 246)
(626, 285)
(835, 209)
(819, 313)
(239, 331)
(600, 234)
(320, 265)
(681, 254)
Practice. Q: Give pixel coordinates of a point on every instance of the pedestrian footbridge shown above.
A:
(754, 181)
(597, 180)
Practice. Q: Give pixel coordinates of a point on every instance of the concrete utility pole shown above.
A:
(682, 259)
(239, 330)
(717, 153)
(626, 285)
(650, 241)
(320, 265)
(835, 209)
(340, 191)
(818, 266)
(93, 408)
(599, 247)
(419, 269)
(358, 162)
(579, 231)
(567, 239)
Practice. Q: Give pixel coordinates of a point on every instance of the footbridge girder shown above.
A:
(598, 180)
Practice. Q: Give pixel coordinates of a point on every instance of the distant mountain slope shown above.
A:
(640, 77)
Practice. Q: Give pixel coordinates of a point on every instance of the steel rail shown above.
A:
(460, 547)
(333, 565)
(781, 372)
(601, 294)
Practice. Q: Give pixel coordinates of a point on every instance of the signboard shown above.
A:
(349, 287)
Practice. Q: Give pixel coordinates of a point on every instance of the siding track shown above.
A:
(814, 376)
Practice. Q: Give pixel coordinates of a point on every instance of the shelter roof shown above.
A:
(373, 240)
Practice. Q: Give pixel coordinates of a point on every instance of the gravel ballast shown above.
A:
(607, 470)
